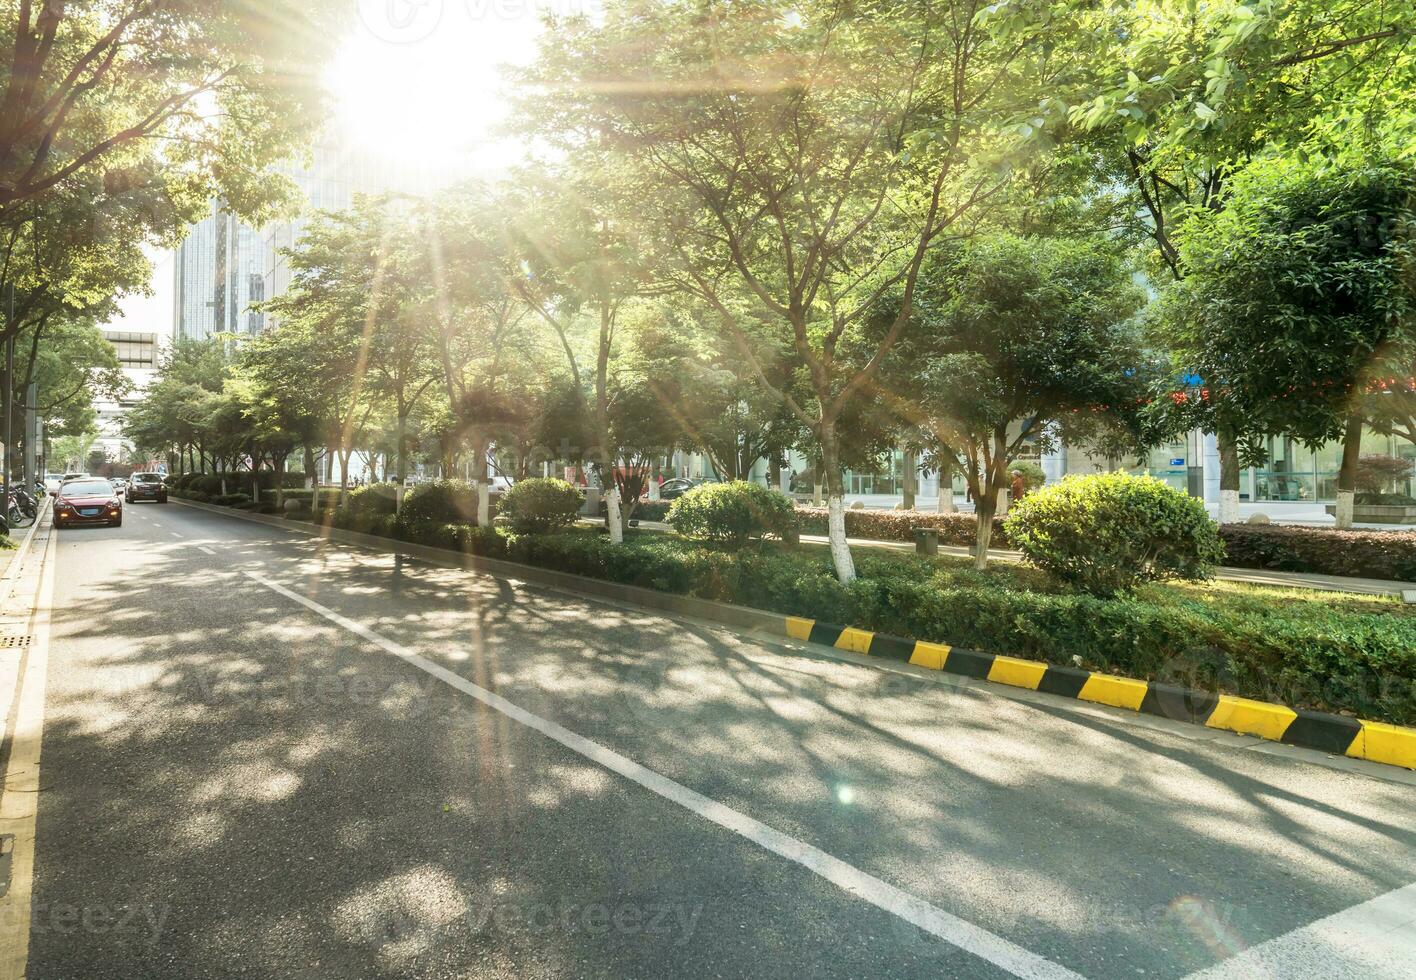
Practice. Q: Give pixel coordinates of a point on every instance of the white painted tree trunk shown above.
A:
(484, 505)
(1229, 506)
(946, 497)
(653, 487)
(398, 498)
(836, 535)
(1344, 507)
(616, 519)
(816, 495)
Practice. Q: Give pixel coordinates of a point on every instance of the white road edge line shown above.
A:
(1375, 940)
(19, 801)
(204, 548)
(965, 935)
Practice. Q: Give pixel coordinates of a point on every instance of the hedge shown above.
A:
(1277, 547)
(899, 525)
(1321, 550)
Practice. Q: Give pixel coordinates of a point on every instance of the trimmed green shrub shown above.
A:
(231, 499)
(540, 505)
(376, 498)
(898, 525)
(733, 513)
(1108, 533)
(1322, 550)
(440, 501)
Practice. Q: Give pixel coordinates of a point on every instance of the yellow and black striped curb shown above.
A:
(1373, 740)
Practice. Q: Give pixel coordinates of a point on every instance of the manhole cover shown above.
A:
(15, 641)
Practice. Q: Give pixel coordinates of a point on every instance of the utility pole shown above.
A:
(10, 388)
(31, 435)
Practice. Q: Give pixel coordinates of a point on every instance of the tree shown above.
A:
(1018, 339)
(1297, 299)
(809, 156)
(192, 96)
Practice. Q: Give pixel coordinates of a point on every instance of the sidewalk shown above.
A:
(1253, 576)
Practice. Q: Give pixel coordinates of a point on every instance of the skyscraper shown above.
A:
(220, 274)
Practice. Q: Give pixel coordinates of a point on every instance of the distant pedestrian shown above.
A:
(1019, 487)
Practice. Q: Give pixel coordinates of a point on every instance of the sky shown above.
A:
(417, 79)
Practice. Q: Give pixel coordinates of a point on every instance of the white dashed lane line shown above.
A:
(205, 549)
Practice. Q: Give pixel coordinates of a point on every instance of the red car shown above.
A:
(88, 501)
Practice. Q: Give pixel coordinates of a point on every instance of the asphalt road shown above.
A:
(266, 756)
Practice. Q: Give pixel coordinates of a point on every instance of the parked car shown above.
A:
(677, 487)
(147, 486)
(52, 482)
(119, 484)
(90, 501)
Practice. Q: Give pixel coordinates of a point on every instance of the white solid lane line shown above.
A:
(1374, 941)
(965, 935)
(202, 547)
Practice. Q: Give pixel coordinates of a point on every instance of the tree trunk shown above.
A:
(986, 503)
(1228, 479)
(1347, 473)
(910, 467)
(946, 488)
(836, 506)
(613, 516)
(774, 471)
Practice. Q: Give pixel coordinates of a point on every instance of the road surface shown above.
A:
(268, 756)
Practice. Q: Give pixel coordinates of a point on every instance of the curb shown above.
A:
(1335, 734)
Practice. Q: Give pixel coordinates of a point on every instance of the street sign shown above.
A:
(1177, 461)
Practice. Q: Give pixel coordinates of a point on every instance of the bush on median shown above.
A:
(731, 514)
(1108, 533)
(540, 505)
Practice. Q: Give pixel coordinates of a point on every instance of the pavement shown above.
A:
(265, 755)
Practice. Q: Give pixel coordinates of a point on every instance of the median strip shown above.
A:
(1370, 740)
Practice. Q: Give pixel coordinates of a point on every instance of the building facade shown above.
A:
(220, 276)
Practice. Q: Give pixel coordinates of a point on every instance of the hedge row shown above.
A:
(899, 525)
(1323, 551)
(1303, 652)
(1284, 548)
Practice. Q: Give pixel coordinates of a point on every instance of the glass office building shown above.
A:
(220, 275)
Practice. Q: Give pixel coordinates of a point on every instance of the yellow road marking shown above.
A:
(19, 799)
(857, 641)
(799, 629)
(1251, 717)
(930, 655)
(1017, 673)
(1119, 692)
(1380, 742)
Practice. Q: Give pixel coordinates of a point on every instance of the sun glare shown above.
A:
(421, 80)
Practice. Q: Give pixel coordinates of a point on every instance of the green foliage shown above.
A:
(373, 500)
(1378, 474)
(957, 529)
(440, 501)
(733, 513)
(231, 499)
(1387, 555)
(539, 505)
(1109, 533)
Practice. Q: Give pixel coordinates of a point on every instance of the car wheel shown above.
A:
(117, 523)
(162, 500)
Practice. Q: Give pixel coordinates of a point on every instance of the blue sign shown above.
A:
(1178, 462)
